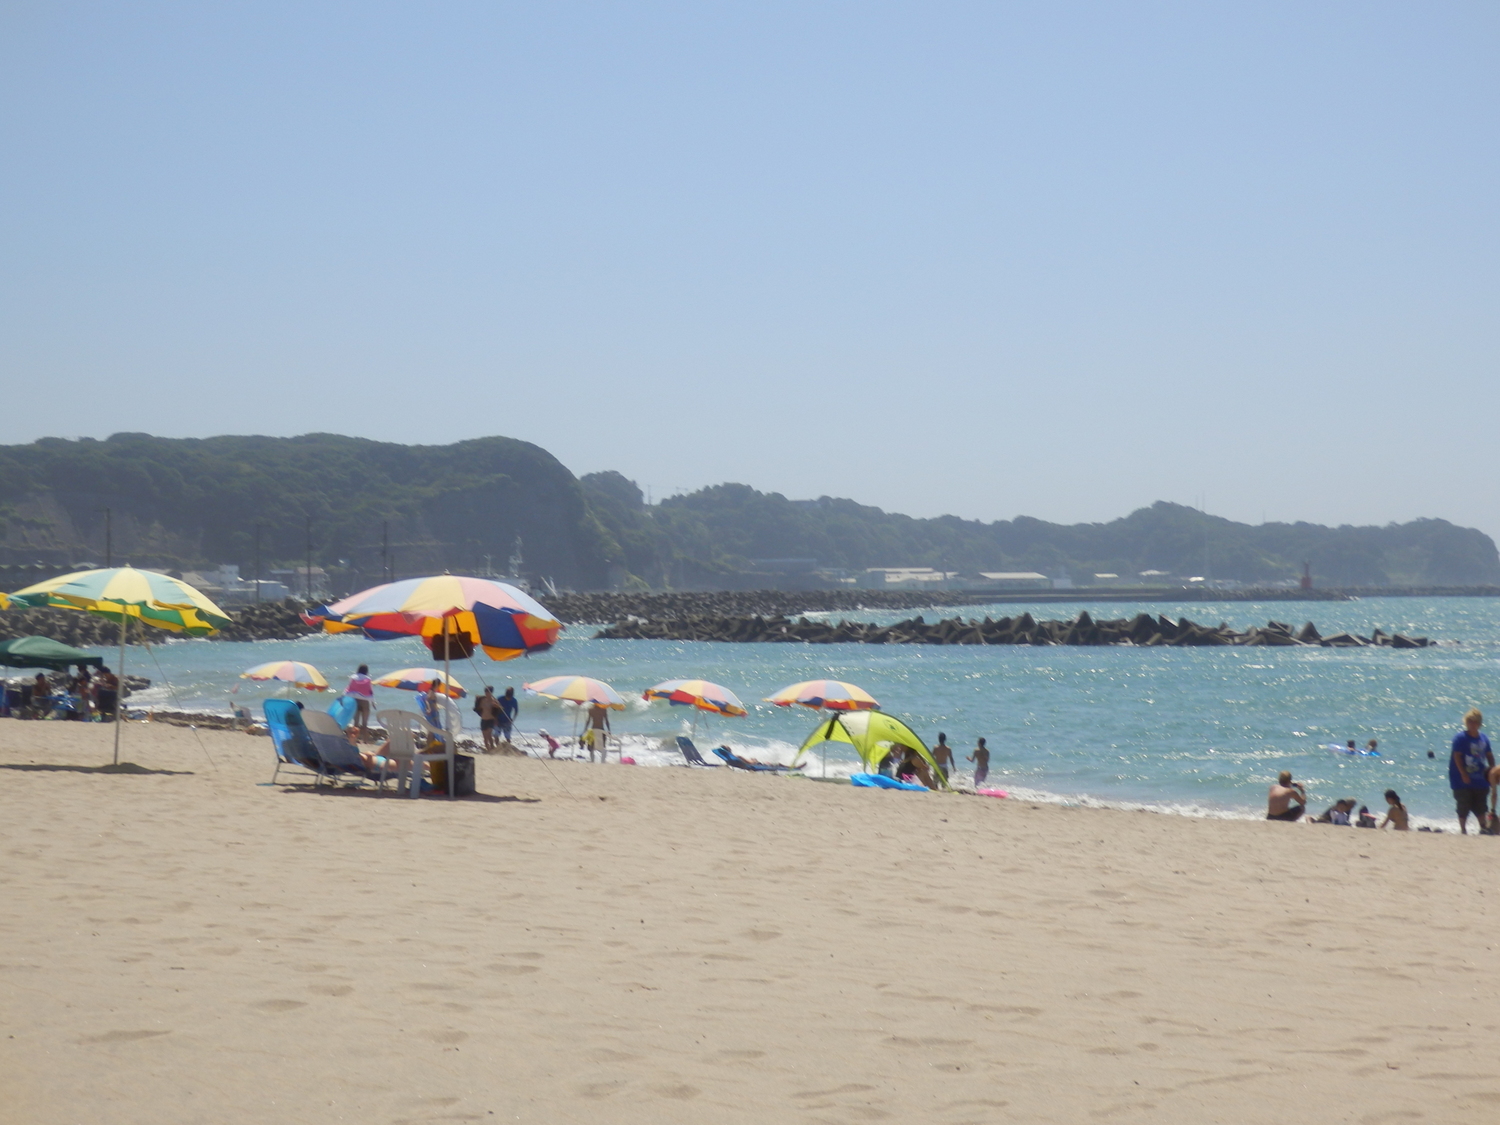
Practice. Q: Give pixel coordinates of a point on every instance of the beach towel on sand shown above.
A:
(880, 781)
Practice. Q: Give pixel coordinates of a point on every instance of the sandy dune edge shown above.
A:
(192, 946)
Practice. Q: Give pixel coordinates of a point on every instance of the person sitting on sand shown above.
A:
(981, 760)
(1395, 812)
(1337, 813)
(106, 693)
(913, 768)
(942, 754)
(1287, 800)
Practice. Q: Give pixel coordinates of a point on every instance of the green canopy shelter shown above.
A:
(871, 734)
(44, 652)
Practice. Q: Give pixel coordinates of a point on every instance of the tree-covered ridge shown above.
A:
(719, 529)
(186, 502)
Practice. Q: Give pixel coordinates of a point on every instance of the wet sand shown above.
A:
(617, 944)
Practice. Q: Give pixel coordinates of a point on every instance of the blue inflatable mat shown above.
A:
(342, 710)
(880, 781)
(1337, 749)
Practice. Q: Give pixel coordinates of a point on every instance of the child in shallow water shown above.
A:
(1395, 813)
(981, 760)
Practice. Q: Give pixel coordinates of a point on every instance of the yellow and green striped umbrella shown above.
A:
(124, 593)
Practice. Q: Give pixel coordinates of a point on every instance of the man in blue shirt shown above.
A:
(508, 708)
(1469, 766)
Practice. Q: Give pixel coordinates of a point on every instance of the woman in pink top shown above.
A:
(363, 690)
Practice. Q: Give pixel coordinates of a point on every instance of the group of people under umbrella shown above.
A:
(456, 617)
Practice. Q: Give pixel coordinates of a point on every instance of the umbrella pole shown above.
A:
(120, 684)
(448, 740)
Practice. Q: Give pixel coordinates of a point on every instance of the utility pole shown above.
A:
(109, 539)
(309, 560)
(385, 550)
(257, 564)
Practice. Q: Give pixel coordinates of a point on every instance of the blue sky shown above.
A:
(988, 259)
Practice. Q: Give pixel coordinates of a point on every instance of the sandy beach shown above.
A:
(609, 944)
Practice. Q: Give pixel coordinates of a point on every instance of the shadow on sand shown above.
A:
(368, 793)
(123, 767)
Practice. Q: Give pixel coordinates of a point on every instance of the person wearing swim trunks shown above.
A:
(487, 707)
(1287, 800)
(981, 760)
(1469, 764)
(597, 735)
(942, 755)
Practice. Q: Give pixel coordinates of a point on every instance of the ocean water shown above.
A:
(1201, 731)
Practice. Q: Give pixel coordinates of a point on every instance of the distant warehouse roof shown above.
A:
(1012, 576)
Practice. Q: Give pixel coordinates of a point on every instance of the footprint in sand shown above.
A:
(598, 1090)
(123, 1036)
(681, 1092)
(278, 1005)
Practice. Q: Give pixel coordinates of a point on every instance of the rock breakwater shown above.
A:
(1143, 630)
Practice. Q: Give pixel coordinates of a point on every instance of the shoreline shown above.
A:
(531, 747)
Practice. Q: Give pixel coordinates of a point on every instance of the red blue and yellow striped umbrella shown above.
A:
(701, 694)
(293, 672)
(579, 690)
(474, 612)
(828, 695)
(420, 679)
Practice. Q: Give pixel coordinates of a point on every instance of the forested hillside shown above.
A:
(719, 529)
(188, 503)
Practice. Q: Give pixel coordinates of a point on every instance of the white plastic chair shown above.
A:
(401, 747)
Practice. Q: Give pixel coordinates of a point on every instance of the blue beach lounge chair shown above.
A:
(289, 737)
(690, 752)
(734, 761)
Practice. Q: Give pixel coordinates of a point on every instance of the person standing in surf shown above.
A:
(363, 690)
(942, 754)
(487, 707)
(981, 760)
(509, 706)
(1469, 763)
(598, 732)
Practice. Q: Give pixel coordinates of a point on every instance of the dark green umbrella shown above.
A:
(44, 652)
